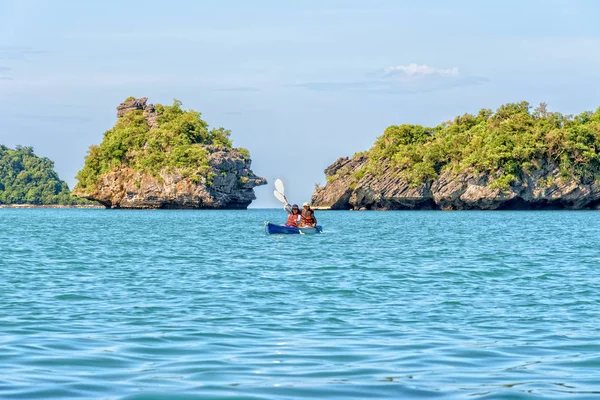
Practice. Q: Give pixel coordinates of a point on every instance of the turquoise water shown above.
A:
(202, 304)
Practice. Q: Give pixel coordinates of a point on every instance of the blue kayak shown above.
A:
(273, 229)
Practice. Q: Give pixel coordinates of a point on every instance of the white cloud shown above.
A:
(410, 78)
(413, 69)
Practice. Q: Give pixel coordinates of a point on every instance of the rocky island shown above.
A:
(513, 158)
(160, 156)
(27, 180)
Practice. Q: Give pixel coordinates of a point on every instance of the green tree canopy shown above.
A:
(28, 179)
(178, 142)
(506, 142)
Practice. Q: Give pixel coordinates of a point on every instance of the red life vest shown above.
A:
(292, 220)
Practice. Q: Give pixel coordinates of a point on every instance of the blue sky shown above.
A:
(299, 83)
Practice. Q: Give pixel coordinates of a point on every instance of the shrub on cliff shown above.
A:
(177, 141)
(28, 179)
(505, 143)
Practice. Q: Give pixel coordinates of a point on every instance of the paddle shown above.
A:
(279, 191)
(279, 186)
(280, 196)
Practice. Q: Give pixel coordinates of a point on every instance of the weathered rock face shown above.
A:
(231, 186)
(542, 188)
(139, 104)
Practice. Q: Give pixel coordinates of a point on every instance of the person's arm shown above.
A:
(288, 208)
(314, 218)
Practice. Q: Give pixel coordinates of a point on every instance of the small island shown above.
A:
(160, 156)
(513, 158)
(27, 180)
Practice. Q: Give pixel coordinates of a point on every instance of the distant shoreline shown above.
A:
(50, 206)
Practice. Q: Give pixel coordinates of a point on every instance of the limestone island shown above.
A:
(160, 156)
(27, 180)
(513, 158)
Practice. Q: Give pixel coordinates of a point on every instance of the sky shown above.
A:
(299, 83)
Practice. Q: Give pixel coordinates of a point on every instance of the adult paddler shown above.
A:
(293, 215)
(308, 217)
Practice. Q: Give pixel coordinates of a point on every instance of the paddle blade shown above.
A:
(279, 186)
(279, 196)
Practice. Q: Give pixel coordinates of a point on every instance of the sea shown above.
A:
(169, 304)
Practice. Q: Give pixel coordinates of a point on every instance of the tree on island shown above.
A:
(505, 143)
(514, 157)
(163, 156)
(177, 140)
(28, 179)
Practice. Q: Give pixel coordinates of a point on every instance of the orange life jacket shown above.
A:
(307, 219)
(292, 220)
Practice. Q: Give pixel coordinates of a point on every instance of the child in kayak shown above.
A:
(294, 214)
(308, 217)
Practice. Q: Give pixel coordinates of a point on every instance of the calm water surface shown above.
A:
(202, 304)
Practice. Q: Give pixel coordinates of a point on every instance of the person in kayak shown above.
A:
(308, 217)
(294, 214)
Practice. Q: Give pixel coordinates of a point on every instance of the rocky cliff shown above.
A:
(522, 160)
(542, 188)
(164, 157)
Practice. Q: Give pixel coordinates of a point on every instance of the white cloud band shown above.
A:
(413, 69)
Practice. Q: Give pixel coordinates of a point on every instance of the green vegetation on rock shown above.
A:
(28, 179)
(178, 141)
(504, 144)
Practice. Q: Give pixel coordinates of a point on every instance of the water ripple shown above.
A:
(201, 304)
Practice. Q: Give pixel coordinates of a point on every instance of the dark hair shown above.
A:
(295, 206)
